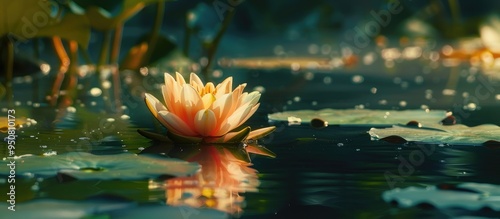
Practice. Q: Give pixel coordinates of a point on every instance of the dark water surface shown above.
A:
(333, 172)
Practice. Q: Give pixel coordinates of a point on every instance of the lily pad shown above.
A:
(86, 166)
(469, 196)
(163, 211)
(27, 19)
(359, 116)
(440, 134)
(63, 209)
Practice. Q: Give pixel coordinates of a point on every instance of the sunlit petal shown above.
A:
(179, 78)
(208, 99)
(259, 133)
(153, 104)
(176, 124)
(205, 122)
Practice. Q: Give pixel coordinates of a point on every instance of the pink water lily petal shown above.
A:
(205, 122)
(176, 124)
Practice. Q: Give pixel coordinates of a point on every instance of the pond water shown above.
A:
(336, 171)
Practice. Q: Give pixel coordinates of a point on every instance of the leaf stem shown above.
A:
(212, 47)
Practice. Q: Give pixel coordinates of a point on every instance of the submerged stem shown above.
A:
(155, 32)
(63, 68)
(212, 47)
(9, 70)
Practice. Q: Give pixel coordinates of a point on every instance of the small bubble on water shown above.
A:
(295, 66)
(106, 84)
(357, 149)
(402, 103)
(71, 109)
(382, 102)
(314, 103)
(140, 148)
(309, 76)
(95, 92)
(124, 117)
(470, 106)
(327, 80)
(217, 73)
(419, 80)
(35, 187)
(373, 90)
(340, 144)
(357, 79)
(260, 89)
(43, 146)
(296, 99)
(397, 80)
(313, 49)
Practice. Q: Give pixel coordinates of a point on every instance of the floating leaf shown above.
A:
(27, 19)
(454, 134)
(59, 209)
(469, 196)
(106, 15)
(162, 211)
(81, 165)
(359, 116)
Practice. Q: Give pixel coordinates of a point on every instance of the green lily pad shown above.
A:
(163, 211)
(469, 196)
(86, 166)
(440, 134)
(359, 116)
(106, 15)
(26, 19)
(61, 209)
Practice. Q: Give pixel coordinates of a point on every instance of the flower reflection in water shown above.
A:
(226, 173)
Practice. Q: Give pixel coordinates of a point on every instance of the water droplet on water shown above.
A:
(95, 92)
(357, 79)
(402, 103)
(309, 76)
(470, 106)
(260, 89)
(327, 80)
(71, 109)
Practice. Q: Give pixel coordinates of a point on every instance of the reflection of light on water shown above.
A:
(45, 68)
(218, 185)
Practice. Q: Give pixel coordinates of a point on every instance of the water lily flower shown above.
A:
(195, 112)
